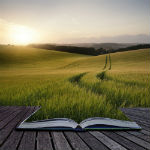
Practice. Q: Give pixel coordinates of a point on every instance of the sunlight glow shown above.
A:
(22, 35)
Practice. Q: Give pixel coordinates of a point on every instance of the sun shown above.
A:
(22, 35)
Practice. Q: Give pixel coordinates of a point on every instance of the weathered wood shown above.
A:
(139, 109)
(140, 135)
(144, 127)
(107, 141)
(44, 141)
(144, 123)
(123, 141)
(145, 132)
(60, 141)
(142, 109)
(6, 113)
(10, 117)
(134, 139)
(28, 141)
(144, 116)
(11, 139)
(133, 117)
(92, 142)
(76, 141)
(3, 108)
(8, 128)
(15, 137)
(147, 123)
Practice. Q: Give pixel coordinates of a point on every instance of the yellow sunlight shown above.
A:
(22, 35)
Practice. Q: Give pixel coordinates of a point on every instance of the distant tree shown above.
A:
(87, 50)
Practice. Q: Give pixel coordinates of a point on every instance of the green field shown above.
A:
(72, 85)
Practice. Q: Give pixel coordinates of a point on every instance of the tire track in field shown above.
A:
(92, 88)
(111, 97)
(96, 89)
(77, 80)
(107, 61)
(103, 76)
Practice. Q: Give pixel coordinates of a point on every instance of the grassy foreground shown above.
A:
(72, 85)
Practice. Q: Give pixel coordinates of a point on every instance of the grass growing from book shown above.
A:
(74, 86)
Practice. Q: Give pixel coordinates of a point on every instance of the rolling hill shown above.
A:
(73, 85)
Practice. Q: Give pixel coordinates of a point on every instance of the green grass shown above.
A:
(72, 85)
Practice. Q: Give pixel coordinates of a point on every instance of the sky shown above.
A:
(74, 21)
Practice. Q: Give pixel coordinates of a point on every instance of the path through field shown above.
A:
(72, 85)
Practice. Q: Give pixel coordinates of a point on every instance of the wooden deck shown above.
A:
(10, 139)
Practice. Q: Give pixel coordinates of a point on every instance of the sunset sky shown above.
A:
(74, 21)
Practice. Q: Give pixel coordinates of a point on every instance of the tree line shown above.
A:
(87, 50)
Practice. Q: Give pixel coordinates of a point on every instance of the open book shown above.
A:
(96, 123)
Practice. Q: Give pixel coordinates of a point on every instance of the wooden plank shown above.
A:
(144, 127)
(60, 141)
(4, 108)
(1, 107)
(145, 132)
(91, 141)
(107, 141)
(75, 141)
(8, 128)
(28, 141)
(142, 109)
(140, 135)
(15, 137)
(44, 141)
(139, 109)
(123, 141)
(13, 140)
(6, 113)
(138, 114)
(10, 117)
(134, 139)
(132, 111)
(144, 123)
(139, 120)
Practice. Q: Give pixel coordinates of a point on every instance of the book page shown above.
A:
(109, 122)
(49, 123)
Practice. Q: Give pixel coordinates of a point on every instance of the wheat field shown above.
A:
(72, 85)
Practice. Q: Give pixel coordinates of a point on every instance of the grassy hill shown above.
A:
(19, 55)
(73, 85)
